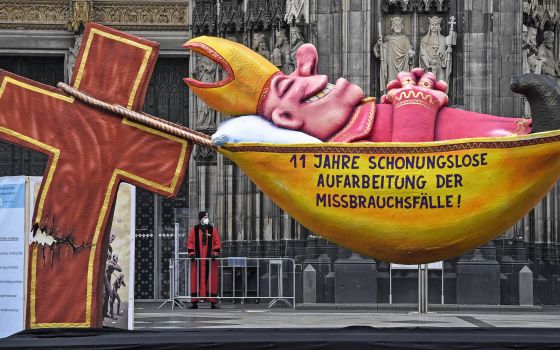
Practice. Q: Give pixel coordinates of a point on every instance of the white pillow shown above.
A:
(252, 128)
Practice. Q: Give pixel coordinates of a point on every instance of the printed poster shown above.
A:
(12, 254)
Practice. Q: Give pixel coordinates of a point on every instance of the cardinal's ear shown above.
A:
(306, 57)
(286, 120)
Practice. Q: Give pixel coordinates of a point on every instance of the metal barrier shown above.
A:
(239, 278)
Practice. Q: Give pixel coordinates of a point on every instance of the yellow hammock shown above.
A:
(407, 203)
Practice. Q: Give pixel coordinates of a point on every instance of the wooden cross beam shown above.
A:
(90, 152)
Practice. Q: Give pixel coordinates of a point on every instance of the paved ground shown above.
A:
(258, 316)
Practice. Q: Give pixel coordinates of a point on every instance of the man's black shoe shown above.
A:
(193, 307)
(215, 306)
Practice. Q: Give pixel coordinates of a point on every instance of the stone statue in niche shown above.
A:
(260, 46)
(436, 50)
(296, 40)
(545, 52)
(526, 6)
(71, 57)
(281, 53)
(531, 62)
(394, 52)
(205, 72)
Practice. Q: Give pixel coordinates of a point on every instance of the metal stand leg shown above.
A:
(280, 273)
(174, 301)
(423, 289)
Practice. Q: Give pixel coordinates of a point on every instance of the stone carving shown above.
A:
(539, 59)
(34, 14)
(394, 52)
(260, 45)
(545, 52)
(297, 11)
(71, 15)
(281, 53)
(296, 40)
(263, 15)
(204, 17)
(71, 56)
(81, 12)
(416, 5)
(230, 18)
(531, 62)
(150, 15)
(426, 5)
(257, 14)
(436, 50)
(538, 14)
(205, 156)
(206, 71)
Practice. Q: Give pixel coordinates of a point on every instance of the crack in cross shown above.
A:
(49, 236)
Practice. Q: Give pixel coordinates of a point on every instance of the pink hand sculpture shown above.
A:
(416, 97)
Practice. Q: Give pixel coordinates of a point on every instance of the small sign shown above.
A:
(438, 265)
(237, 261)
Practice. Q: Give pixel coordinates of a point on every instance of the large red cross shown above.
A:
(90, 152)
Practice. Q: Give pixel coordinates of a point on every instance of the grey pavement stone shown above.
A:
(343, 315)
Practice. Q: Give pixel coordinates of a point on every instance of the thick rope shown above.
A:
(142, 118)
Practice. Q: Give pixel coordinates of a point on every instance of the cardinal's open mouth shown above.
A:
(321, 93)
(210, 53)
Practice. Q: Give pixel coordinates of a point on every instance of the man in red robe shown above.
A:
(203, 247)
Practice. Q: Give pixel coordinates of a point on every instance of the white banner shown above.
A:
(120, 261)
(12, 254)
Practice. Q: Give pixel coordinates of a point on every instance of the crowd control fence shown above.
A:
(240, 279)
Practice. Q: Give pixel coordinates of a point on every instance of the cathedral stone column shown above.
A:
(540, 53)
(327, 36)
(492, 56)
(356, 40)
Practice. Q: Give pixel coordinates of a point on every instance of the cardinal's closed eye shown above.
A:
(282, 85)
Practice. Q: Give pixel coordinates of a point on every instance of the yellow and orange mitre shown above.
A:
(247, 80)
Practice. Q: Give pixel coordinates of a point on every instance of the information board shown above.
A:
(12, 254)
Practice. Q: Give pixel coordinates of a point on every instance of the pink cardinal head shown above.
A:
(306, 101)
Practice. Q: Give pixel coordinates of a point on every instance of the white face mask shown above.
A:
(204, 221)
